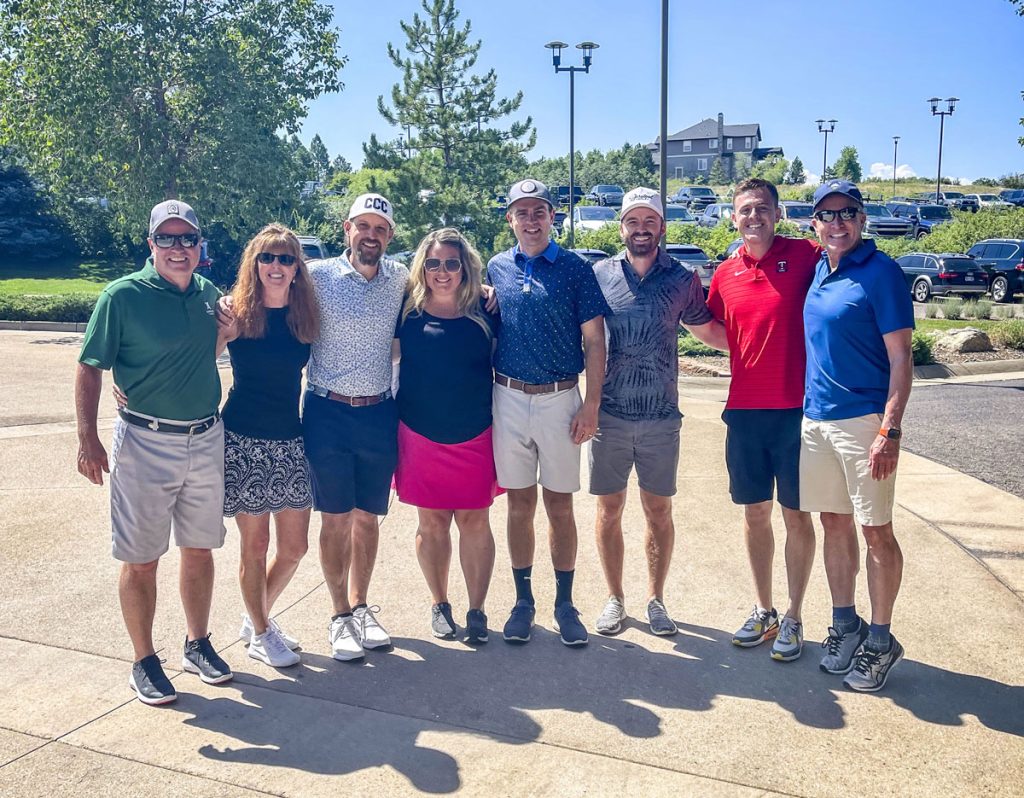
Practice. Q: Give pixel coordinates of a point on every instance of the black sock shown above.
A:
(524, 586)
(563, 584)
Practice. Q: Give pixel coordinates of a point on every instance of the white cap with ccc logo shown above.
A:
(372, 203)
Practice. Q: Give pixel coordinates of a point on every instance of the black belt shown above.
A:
(176, 427)
(531, 388)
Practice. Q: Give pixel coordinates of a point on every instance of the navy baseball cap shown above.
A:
(529, 189)
(844, 187)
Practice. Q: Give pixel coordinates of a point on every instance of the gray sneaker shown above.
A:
(659, 619)
(871, 668)
(609, 622)
(841, 649)
(789, 643)
(760, 626)
(442, 625)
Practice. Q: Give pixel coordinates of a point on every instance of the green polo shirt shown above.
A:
(160, 342)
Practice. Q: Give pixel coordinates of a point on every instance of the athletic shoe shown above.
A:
(247, 631)
(871, 668)
(441, 622)
(609, 622)
(790, 641)
(476, 627)
(569, 626)
(346, 642)
(200, 658)
(371, 632)
(150, 683)
(841, 649)
(760, 626)
(659, 619)
(270, 648)
(520, 622)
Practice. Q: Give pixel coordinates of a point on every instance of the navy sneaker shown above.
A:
(476, 626)
(200, 658)
(567, 624)
(150, 683)
(442, 624)
(520, 622)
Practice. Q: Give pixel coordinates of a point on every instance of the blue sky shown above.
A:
(871, 64)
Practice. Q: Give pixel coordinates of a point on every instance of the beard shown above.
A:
(368, 258)
(641, 249)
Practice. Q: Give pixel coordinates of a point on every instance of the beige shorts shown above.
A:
(834, 473)
(163, 480)
(531, 432)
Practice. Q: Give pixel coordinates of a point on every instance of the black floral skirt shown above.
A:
(263, 476)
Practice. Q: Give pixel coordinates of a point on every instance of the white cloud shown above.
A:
(884, 171)
(811, 179)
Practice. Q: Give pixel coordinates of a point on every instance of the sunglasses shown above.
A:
(846, 214)
(267, 258)
(166, 240)
(451, 265)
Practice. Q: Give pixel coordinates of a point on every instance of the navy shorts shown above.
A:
(352, 453)
(762, 453)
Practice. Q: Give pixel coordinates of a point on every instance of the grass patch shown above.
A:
(61, 278)
(940, 325)
(1009, 334)
(688, 346)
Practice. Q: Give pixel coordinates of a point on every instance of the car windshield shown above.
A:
(877, 210)
(953, 195)
(590, 213)
(988, 197)
(607, 188)
(934, 212)
(799, 211)
(310, 251)
(702, 192)
(677, 214)
(688, 254)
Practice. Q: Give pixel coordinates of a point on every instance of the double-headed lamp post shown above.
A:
(950, 107)
(826, 130)
(556, 60)
(895, 149)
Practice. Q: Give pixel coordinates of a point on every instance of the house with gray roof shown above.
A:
(692, 152)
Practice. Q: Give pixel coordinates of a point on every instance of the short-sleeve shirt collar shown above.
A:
(150, 276)
(750, 261)
(550, 253)
(385, 268)
(856, 257)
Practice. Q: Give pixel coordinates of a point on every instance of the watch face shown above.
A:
(894, 434)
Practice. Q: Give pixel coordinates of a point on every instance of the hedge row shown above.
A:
(59, 307)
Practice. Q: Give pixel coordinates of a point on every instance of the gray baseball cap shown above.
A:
(529, 189)
(172, 209)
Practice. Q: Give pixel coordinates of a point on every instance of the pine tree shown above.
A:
(717, 176)
(847, 165)
(320, 157)
(797, 176)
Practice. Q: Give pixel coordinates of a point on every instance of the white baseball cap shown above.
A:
(372, 203)
(642, 198)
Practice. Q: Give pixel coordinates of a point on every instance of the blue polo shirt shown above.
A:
(540, 339)
(845, 316)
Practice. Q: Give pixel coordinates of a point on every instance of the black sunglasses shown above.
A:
(166, 240)
(450, 264)
(846, 214)
(269, 257)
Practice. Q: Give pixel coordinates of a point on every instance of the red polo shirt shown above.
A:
(761, 304)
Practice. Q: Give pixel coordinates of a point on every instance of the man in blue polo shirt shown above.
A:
(858, 320)
(550, 304)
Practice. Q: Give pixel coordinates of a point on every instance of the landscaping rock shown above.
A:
(960, 340)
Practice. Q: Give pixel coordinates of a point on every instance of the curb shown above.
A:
(45, 326)
(938, 371)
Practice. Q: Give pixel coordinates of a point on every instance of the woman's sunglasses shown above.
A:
(267, 258)
(451, 265)
(166, 240)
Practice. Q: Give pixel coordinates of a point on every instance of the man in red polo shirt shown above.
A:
(759, 295)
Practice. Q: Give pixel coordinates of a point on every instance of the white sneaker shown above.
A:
(247, 632)
(609, 622)
(271, 649)
(346, 642)
(372, 633)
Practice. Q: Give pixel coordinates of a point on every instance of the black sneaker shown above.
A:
(476, 626)
(520, 623)
(199, 657)
(150, 683)
(567, 624)
(442, 624)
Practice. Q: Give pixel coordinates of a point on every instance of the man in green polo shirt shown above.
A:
(157, 330)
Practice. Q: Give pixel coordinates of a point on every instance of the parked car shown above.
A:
(1014, 195)
(312, 248)
(604, 194)
(1003, 259)
(716, 213)
(695, 259)
(991, 201)
(591, 256)
(677, 214)
(558, 225)
(592, 217)
(798, 213)
(930, 274)
(694, 198)
(924, 216)
(560, 194)
(952, 199)
(882, 224)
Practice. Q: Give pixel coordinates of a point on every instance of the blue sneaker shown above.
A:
(567, 624)
(519, 623)
(476, 626)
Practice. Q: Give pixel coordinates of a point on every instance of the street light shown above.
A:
(895, 148)
(826, 130)
(556, 48)
(950, 107)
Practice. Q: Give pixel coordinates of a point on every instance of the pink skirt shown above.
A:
(445, 476)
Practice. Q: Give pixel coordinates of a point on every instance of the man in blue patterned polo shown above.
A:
(552, 316)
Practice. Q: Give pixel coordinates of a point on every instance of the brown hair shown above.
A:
(303, 317)
(756, 184)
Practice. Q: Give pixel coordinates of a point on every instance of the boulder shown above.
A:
(961, 340)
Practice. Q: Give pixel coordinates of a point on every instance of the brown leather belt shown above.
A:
(353, 401)
(531, 388)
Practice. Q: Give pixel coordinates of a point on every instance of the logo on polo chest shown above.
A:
(781, 267)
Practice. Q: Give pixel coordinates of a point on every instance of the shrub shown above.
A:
(1004, 312)
(688, 346)
(953, 309)
(931, 310)
(970, 309)
(1009, 333)
(62, 307)
(983, 309)
(921, 346)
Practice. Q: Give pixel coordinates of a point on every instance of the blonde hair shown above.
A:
(467, 298)
(303, 317)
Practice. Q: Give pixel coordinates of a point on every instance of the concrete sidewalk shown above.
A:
(629, 715)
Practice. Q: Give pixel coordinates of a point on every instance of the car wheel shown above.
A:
(922, 291)
(1000, 289)
(922, 233)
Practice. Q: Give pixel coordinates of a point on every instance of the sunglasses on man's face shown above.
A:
(166, 240)
(267, 258)
(846, 214)
(450, 264)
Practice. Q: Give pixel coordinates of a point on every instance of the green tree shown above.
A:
(320, 157)
(340, 164)
(774, 169)
(797, 176)
(847, 165)
(150, 99)
(717, 177)
(27, 228)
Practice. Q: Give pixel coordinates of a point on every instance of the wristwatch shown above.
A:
(892, 433)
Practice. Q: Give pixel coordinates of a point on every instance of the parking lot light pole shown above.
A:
(556, 60)
(895, 149)
(950, 107)
(826, 130)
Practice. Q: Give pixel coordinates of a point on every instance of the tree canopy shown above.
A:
(847, 165)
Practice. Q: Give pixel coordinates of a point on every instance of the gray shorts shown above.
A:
(653, 446)
(160, 480)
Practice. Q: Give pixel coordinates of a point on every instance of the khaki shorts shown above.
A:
(163, 480)
(531, 432)
(834, 473)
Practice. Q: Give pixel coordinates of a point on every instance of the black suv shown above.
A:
(694, 198)
(954, 199)
(560, 194)
(1014, 195)
(942, 274)
(924, 216)
(1003, 258)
